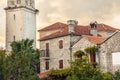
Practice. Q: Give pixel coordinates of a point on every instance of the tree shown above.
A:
(2, 56)
(22, 63)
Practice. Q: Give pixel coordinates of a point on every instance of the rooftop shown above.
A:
(79, 30)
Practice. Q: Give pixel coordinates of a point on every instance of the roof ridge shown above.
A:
(47, 27)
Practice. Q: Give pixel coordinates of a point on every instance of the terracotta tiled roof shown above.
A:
(79, 30)
(44, 74)
(95, 40)
(56, 25)
(104, 27)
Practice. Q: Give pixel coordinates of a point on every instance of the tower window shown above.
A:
(14, 37)
(26, 2)
(14, 16)
(18, 1)
(12, 2)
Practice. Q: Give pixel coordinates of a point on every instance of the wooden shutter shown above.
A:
(61, 44)
(61, 64)
(92, 58)
(47, 45)
(47, 65)
(47, 49)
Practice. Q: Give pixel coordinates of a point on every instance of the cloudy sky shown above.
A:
(85, 11)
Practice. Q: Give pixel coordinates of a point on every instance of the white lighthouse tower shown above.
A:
(20, 21)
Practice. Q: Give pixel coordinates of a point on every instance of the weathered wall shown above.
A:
(112, 45)
(57, 54)
(20, 23)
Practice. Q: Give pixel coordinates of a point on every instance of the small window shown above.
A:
(18, 1)
(26, 2)
(47, 46)
(14, 37)
(31, 2)
(60, 64)
(14, 16)
(61, 44)
(116, 58)
(12, 2)
(47, 65)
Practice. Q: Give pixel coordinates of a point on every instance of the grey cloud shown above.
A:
(101, 10)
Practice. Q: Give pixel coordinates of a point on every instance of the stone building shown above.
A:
(55, 43)
(20, 21)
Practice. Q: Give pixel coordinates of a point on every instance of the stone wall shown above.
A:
(110, 46)
(56, 54)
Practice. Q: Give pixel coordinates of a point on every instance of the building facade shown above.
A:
(20, 21)
(55, 46)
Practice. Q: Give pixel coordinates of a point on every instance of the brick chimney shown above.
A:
(93, 30)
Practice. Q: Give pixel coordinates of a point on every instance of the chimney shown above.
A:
(71, 25)
(93, 30)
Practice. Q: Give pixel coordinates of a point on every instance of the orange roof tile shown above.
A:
(44, 74)
(79, 30)
(95, 40)
(56, 25)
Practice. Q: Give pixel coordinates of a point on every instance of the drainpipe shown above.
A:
(71, 26)
(98, 48)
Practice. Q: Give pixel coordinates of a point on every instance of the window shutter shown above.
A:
(61, 44)
(47, 65)
(47, 49)
(61, 64)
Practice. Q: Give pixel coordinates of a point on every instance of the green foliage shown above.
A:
(22, 46)
(116, 75)
(2, 57)
(79, 53)
(23, 62)
(59, 74)
(91, 50)
(107, 76)
(78, 71)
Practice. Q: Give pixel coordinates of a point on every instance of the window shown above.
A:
(60, 64)
(116, 58)
(14, 37)
(47, 49)
(31, 2)
(18, 1)
(12, 2)
(14, 16)
(47, 65)
(61, 44)
(26, 2)
(47, 45)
